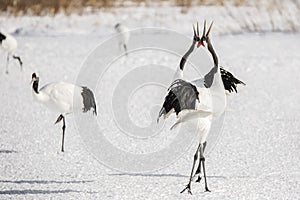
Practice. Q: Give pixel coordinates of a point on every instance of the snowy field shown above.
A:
(256, 157)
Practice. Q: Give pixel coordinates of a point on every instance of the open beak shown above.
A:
(196, 32)
(196, 35)
(205, 34)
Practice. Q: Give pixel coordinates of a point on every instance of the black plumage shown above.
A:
(229, 81)
(2, 37)
(88, 100)
(182, 95)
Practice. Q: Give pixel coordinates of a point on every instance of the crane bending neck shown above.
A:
(213, 53)
(35, 86)
(186, 55)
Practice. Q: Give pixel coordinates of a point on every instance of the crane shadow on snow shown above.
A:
(39, 191)
(159, 175)
(19, 192)
(7, 151)
(148, 175)
(43, 182)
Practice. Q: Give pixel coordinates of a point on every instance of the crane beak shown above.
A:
(205, 34)
(34, 79)
(196, 32)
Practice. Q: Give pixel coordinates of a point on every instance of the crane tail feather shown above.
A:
(88, 100)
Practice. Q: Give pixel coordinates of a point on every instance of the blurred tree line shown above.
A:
(43, 7)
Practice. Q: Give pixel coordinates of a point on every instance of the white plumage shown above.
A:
(59, 97)
(9, 44)
(64, 98)
(123, 36)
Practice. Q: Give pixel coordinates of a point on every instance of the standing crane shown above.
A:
(124, 36)
(64, 98)
(9, 44)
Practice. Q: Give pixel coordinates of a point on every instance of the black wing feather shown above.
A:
(229, 81)
(2, 37)
(182, 95)
(88, 100)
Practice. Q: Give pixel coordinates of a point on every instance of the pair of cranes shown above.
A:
(189, 100)
(196, 100)
(193, 100)
(62, 97)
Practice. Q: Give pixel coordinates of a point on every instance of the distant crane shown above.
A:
(124, 36)
(193, 100)
(64, 98)
(9, 44)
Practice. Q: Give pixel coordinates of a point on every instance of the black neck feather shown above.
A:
(209, 77)
(186, 55)
(213, 53)
(35, 86)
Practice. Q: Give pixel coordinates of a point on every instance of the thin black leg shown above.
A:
(125, 48)
(202, 159)
(204, 173)
(63, 135)
(188, 186)
(20, 61)
(198, 171)
(61, 117)
(7, 61)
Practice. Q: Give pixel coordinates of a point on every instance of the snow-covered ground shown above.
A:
(256, 157)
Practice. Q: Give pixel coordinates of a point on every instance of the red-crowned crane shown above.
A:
(9, 44)
(64, 98)
(123, 37)
(193, 100)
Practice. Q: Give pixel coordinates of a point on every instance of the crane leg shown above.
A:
(188, 186)
(125, 48)
(202, 159)
(198, 171)
(61, 117)
(7, 61)
(20, 61)
(63, 135)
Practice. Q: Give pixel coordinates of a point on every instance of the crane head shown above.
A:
(117, 25)
(34, 77)
(205, 35)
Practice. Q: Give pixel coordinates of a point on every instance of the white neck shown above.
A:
(39, 96)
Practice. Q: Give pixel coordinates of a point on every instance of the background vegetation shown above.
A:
(44, 7)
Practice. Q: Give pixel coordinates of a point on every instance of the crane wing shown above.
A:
(229, 81)
(61, 94)
(182, 95)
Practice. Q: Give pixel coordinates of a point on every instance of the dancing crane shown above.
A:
(194, 100)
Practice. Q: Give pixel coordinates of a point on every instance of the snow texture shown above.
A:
(257, 156)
